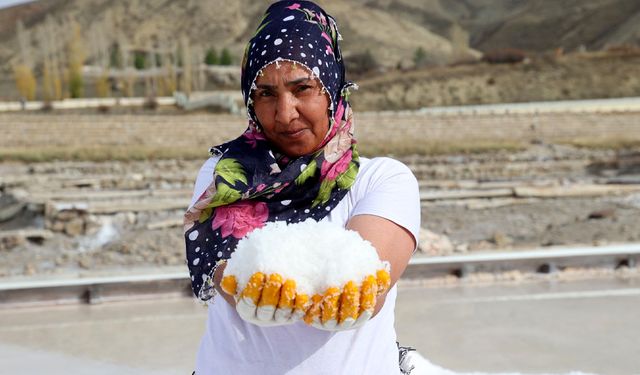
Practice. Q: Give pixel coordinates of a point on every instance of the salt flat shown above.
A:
(530, 327)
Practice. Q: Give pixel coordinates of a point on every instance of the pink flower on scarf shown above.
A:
(324, 35)
(339, 113)
(332, 171)
(253, 137)
(240, 218)
(322, 19)
(328, 50)
(293, 6)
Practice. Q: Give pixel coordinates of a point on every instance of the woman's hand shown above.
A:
(217, 281)
(270, 301)
(349, 308)
(267, 299)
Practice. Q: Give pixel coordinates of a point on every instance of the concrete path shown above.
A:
(589, 326)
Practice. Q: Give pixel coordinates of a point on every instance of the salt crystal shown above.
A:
(316, 255)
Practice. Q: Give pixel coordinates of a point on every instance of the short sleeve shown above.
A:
(204, 179)
(389, 189)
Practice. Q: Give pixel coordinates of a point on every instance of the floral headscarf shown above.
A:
(252, 182)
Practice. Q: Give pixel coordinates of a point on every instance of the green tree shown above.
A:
(140, 60)
(76, 56)
(115, 57)
(225, 57)
(211, 58)
(419, 57)
(76, 84)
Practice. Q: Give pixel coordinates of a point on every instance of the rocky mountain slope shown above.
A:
(391, 29)
(448, 31)
(210, 23)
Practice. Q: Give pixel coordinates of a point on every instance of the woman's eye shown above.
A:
(303, 88)
(264, 93)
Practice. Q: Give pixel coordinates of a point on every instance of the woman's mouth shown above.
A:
(294, 133)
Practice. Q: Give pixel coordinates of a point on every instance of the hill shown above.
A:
(206, 24)
(391, 31)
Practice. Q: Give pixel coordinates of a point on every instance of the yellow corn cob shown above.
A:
(253, 289)
(287, 295)
(330, 305)
(229, 284)
(271, 291)
(349, 302)
(368, 293)
(313, 314)
(384, 281)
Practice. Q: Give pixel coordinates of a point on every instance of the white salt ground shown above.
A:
(316, 255)
(422, 366)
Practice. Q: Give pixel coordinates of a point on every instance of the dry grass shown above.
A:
(121, 153)
(603, 143)
(404, 148)
(98, 154)
(439, 148)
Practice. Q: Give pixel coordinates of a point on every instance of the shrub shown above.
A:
(140, 61)
(76, 84)
(504, 56)
(362, 62)
(419, 57)
(211, 58)
(225, 57)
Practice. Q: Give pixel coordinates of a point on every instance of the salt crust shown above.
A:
(316, 255)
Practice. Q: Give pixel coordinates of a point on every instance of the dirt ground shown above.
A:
(101, 216)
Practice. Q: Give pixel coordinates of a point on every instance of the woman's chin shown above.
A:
(297, 149)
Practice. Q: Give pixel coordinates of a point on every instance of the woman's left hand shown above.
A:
(349, 308)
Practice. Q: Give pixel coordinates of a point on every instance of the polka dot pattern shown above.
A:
(302, 34)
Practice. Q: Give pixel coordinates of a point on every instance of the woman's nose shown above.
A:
(286, 110)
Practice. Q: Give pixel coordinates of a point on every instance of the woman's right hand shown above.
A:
(267, 300)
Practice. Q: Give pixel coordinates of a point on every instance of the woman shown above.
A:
(297, 161)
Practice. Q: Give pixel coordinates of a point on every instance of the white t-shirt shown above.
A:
(384, 187)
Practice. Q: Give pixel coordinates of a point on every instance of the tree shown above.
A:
(225, 57)
(211, 58)
(103, 86)
(419, 57)
(115, 57)
(139, 60)
(185, 54)
(25, 82)
(76, 56)
(25, 79)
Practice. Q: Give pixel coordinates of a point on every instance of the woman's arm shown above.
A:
(393, 243)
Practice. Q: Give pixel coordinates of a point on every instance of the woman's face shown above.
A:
(292, 108)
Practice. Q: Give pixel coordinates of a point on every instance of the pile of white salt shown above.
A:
(316, 255)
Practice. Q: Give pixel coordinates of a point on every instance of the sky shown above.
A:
(6, 3)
